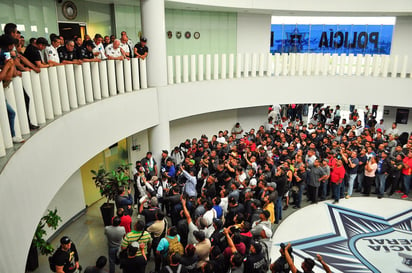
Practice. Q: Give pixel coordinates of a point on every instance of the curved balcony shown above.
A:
(42, 165)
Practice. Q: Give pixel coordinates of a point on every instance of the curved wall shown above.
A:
(43, 164)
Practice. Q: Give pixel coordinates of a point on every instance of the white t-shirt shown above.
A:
(51, 54)
(125, 47)
(110, 51)
(100, 48)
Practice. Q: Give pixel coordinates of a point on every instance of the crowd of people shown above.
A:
(212, 204)
(16, 57)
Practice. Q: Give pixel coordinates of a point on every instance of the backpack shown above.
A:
(175, 246)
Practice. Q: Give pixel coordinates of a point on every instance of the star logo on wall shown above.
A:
(362, 242)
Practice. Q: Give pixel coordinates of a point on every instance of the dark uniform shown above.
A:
(256, 263)
(32, 54)
(85, 54)
(66, 55)
(141, 50)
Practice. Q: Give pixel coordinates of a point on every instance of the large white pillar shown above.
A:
(153, 26)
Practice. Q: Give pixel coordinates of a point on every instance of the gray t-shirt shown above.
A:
(314, 176)
(114, 235)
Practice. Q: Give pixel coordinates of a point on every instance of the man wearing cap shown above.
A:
(140, 49)
(86, 52)
(66, 257)
(136, 259)
(33, 52)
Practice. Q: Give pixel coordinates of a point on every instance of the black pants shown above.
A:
(313, 193)
(367, 183)
(27, 103)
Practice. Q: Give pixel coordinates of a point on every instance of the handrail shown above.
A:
(230, 66)
(61, 89)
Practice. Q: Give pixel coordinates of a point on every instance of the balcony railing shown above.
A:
(229, 66)
(60, 89)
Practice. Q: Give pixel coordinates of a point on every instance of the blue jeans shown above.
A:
(351, 181)
(336, 191)
(361, 177)
(323, 189)
(278, 209)
(112, 259)
(407, 183)
(12, 116)
(380, 183)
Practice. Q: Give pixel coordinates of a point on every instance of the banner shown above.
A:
(340, 39)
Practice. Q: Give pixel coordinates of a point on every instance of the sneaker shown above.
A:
(347, 196)
(17, 139)
(34, 127)
(398, 191)
(404, 196)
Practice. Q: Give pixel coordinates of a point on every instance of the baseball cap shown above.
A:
(65, 240)
(143, 39)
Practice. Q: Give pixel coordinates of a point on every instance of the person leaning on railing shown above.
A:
(33, 52)
(67, 54)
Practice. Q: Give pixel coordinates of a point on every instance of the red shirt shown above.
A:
(126, 222)
(407, 171)
(337, 174)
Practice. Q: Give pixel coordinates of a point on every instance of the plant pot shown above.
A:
(107, 210)
(32, 259)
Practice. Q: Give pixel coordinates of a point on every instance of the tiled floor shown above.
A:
(88, 234)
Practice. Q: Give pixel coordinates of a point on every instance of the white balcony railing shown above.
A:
(60, 89)
(229, 66)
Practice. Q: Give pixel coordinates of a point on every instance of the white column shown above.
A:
(29, 90)
(78, 75)
(376, 67)
(238, 65)
(200, 67)
(341, 64)
(143, 73)
(4, 120)
(309, 64)
(285, 59)
(104, 84)
(301, 63)
(193, 68)
(292, 67)
(127, 69)
(359, 62)
(261, 64)
(223, 67)
(71, 86)
(37, 97)
(325, 64)
(216, 66)
(394, 72)
(111, 75)
(208, 67)
(87, 78)
(153, 26)
(404, 66)
(368, 59)
(97, 94)
(254, 65)
(277, 66)
(185, 68)
(334, 66)
(178, 69)
(136, 74)
(45, 88)
(63, 90)
(350, 64)
(385, 66)
(2, 145)
(119, 76)
(269, 68)
(231, 65)
(11, 100)
(20, 105)
(246, 68)
(54, 90)
(170, 74)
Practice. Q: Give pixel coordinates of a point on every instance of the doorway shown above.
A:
(69, 30)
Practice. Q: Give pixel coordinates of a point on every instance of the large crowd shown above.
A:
(16, 57)
(212, 204)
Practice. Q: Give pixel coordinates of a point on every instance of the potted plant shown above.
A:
(109, 183)
(51, 220)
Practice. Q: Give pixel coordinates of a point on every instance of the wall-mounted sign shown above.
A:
(196, 35)
(169, 34)
(178, 34)
(188, 34)
(69, 10)
(340, 39)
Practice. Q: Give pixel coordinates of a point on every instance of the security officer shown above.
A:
(86, 52)
(67, 54)
(51, 53)
(256, 261)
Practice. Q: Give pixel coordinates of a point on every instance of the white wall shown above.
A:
(209, 124)
(402, 40)
(141, 139)
(391, 117)
(70, 193)
(252, 117)
(253, 33)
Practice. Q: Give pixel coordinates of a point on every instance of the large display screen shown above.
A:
(340, 39)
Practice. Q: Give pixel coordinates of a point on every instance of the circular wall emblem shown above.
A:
(196, 35)
(178, 34)
(188, 34)
(69, 10)
(169, 34)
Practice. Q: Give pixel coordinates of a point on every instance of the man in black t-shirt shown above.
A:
(32, 52)
(133, 263)
(66, 257)
(140, 49)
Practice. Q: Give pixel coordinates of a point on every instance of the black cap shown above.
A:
(143, 39)
(165, 151)
(42, 41)
(89, 43)
(65, 240)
